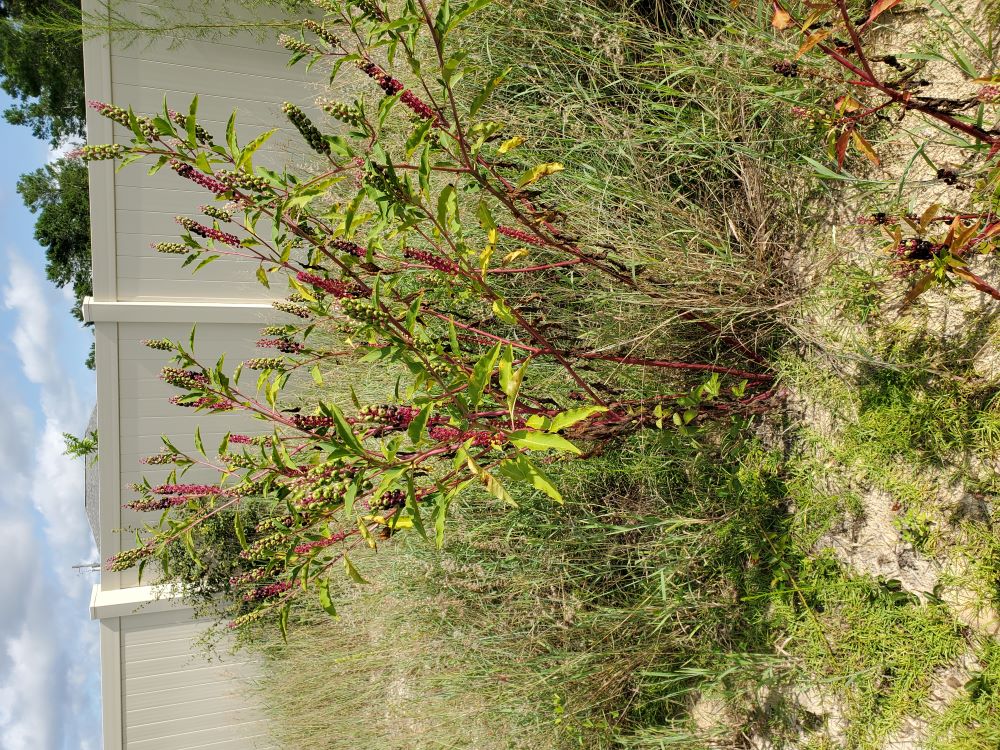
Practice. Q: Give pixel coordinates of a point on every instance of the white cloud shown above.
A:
(48, 646)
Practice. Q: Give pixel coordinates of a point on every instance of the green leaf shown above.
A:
(490, 482)
(325, 600)
(520, 469)
(452, 71)
(571, 416)
(439, 516)
(283, 620)
(487, 91)
(199, 446)
(536, 173)
(481, 373)
(241, 535)
(453, 339)
(510, 144)
(501, 310)
(231, 135)
(540, 441)
(345, 431)
(413, 507)
(416, 429)
(352, 571)
(317, 376)
(417, 136)
(412, 312)
(224, 444)
(510, 381)
(246, 156)
(447, 210)
(366, 533)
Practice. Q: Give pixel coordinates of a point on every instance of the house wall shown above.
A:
(158, 692)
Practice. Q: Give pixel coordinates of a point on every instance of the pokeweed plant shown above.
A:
(409, 247)
(862, 91)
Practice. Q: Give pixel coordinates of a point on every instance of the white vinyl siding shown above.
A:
(175, 698)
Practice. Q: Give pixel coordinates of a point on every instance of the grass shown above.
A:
(682, 572)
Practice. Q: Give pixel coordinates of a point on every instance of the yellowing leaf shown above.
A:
(865, 147)
(929, 215)
(811, 41)
(511, 257)
(510, 144)
(847, 103)
(781, 19)
(536, 173)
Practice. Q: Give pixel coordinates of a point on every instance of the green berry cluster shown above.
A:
(243, 180)
(364, 312)
(158, 459)
(369, 9)
(163, 345)
(291, 308)
(216, 213)
(304, 125)
(102, 151)
(201, 135)
(263, 546)
(275, 331)
(237, 460)
(377, 176)
(128, 558)
(182, 378)
(248, 488)
(295, 45)
(321, 31)
(343, 112)
(171, 248)
(264, 363)
(147, 127)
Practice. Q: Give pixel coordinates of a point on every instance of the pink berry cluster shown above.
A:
(989, 94)
(430, 259)
(209, 233)
(307, 547)
(145, 504)
(338, 289)
(238, 439)
(194, 490)
(350, 248)
(390, 415)
(205, 402)
(269, 591)
(312, 422)
(199, 178)
(520, 234)
(479, 438)
(250, 576)
(282, 345)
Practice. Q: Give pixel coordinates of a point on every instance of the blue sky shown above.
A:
(49, 656)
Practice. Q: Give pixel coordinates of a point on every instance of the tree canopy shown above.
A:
(42, 68)
(57, 192)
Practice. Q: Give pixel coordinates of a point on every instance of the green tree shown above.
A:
(58, 193)
(41, 67)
